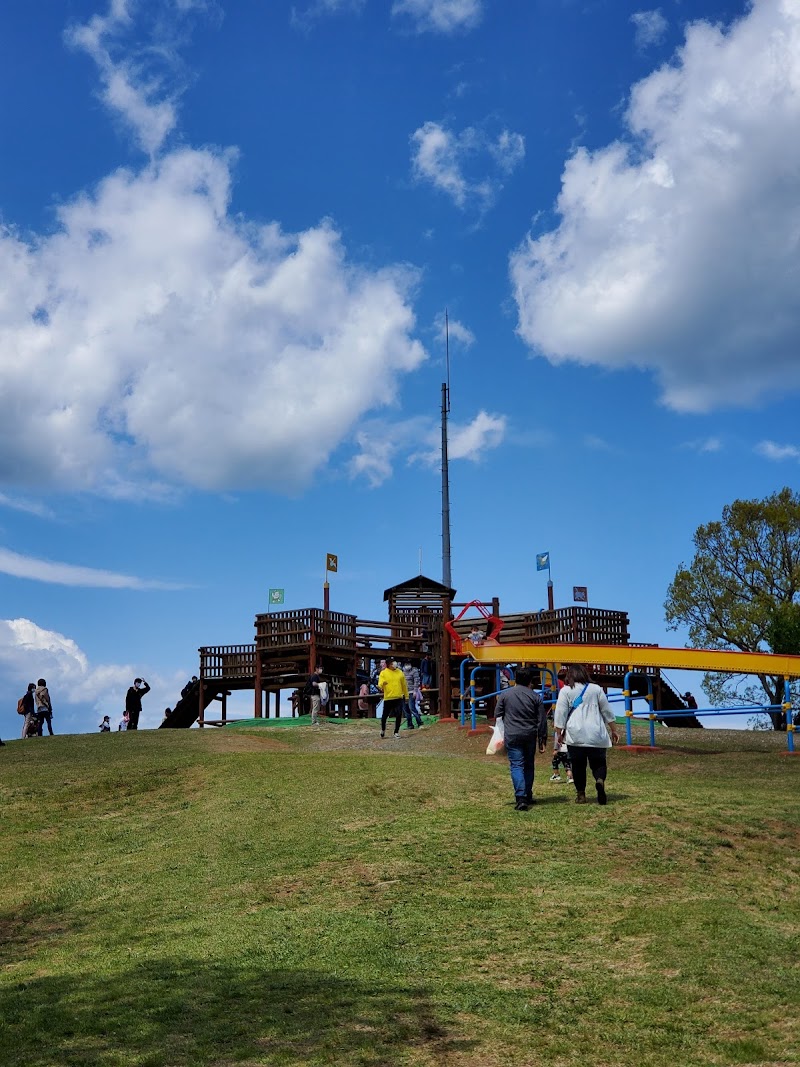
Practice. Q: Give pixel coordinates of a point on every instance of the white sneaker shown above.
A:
(555, 778)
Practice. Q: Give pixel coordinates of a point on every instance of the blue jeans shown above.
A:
(411, 710)
(521, 752)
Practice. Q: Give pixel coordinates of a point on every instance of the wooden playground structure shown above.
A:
(289, 644)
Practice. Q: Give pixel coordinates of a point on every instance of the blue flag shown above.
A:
(542, 561)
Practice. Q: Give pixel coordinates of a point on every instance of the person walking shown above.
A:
(525, 727)
(29, 711)
(44, 709)
(583, 717)
(412, 684)
(133, 701)
(392, 683)
(312, 691)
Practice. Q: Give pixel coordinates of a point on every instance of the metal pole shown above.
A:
(446, 575)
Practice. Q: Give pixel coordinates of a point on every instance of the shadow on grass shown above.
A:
(177, 1012)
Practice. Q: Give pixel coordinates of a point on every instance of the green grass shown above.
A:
(324, 897)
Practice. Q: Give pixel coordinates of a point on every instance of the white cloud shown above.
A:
(28, 652)
(472, 440)
(704, 445)
(133, 88)
(154, 334)
(459, 333)
(30, 507)
(304, 18)
(678, 251)
(43, 570)
(418, 440)
(441, 157)
(776, 452)
(469, 440)
(440, 16)
(650, 27)
(508, 150)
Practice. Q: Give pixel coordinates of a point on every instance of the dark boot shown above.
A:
(580, 798)
(600, 786)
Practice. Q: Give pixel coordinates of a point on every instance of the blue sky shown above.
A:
(229, 236)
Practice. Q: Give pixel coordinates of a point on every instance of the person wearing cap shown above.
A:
(691, 703)
(392, 683)
(133, 701)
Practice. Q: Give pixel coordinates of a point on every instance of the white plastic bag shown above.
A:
(497, 740)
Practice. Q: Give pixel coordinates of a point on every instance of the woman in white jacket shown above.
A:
(583, 717)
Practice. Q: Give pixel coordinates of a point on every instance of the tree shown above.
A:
(740, 592)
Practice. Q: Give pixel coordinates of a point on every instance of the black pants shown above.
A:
(392, 707)
(580, 756)
(133, 719)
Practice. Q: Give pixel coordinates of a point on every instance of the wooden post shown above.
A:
(259, 703)
(200, 700)
(445, 687)
(224, 706)
(277, 703)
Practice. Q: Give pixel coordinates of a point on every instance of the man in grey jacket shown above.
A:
(525, 727)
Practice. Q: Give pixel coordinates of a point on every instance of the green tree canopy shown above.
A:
(740, 591)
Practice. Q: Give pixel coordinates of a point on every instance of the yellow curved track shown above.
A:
(632, 656)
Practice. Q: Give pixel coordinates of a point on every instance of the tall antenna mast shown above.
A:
(446, 577)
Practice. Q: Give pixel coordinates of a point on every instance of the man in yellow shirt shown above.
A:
(392, 683)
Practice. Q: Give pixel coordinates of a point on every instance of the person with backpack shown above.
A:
(26, 707)
(133, 701)
(44, 709)
(583, 717)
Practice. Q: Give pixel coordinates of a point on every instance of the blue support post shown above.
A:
(787, 707)
(652, 713)
(626, 692)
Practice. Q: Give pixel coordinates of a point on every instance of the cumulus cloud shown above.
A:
(43, 570)
(776, 452)
(156, 333)
(650, 27)
(457, 163)
(80, 691)
(459, 333)
(156, 340)
(678, 250)
(440, 16)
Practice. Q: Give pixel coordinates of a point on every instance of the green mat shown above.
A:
(305, 720)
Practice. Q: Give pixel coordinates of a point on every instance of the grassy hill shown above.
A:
(323, 897)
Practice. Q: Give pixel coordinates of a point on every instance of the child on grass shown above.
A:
(560, 755)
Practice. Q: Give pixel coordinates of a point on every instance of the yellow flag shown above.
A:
(331, 562)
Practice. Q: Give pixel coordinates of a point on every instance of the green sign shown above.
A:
(276, 596)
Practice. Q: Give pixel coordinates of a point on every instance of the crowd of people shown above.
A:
(585, 725)
(37, 709)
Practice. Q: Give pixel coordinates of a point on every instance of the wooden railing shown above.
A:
(290, 629)
(228, 661)
(574, 625)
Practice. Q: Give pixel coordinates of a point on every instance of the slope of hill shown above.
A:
(321, 897)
